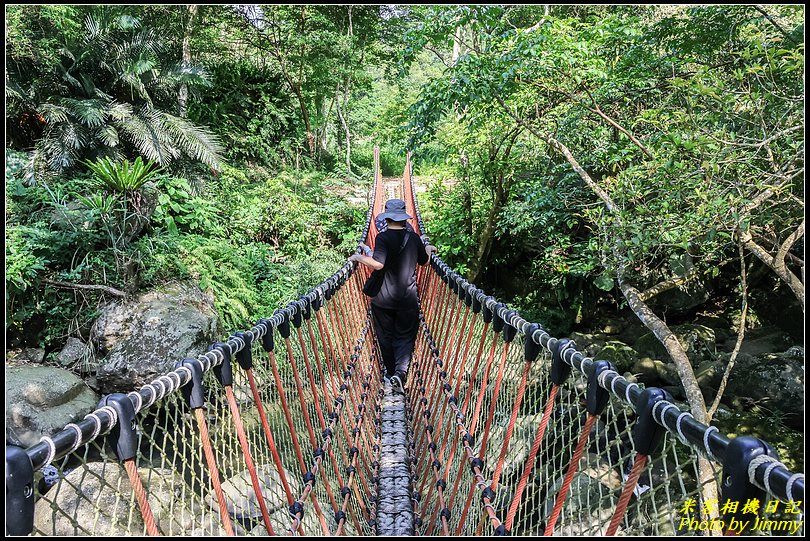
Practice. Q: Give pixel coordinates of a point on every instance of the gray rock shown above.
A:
(591, 501)
(652, 372)
(142, 338)
(761, 340)
(25, 356)
(241, 499)
(96, 499)
(74, 351)
(41, 400)
(775, 380)
(697, 340)
(589, 344)
(620, 354)
(681, 300)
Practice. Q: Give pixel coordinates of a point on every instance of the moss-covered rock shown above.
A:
(142, 338)
(620, 354)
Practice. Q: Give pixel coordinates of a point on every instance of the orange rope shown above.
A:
(569, 475)
(212, 467)
(140, 495)
(254, 478)
(494, 403)
(510, 428)
(270, 441)
(527, 469)
(629, 487)
(286, 409)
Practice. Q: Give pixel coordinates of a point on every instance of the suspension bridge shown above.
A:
(288, 428)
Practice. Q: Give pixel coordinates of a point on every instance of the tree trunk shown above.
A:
(486, 236)
(344, 122)
(466, 202)
(298, 93)
(456, 46)
(182, 100)
(685, 371)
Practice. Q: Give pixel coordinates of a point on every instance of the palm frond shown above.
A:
(58, 146)
(53, 114)
(127, 22)
(144, 138)
(16, 92)
(193, 76)
(108, 135)
(120, 112)
(195, 141)
(89, 112)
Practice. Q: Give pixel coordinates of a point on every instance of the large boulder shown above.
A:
(142, 338)
(697, 340)
(74, 352)
(761, 340)
(773, 380)
(681, 300)
(41, 400)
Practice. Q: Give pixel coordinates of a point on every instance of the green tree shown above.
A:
(106, 93)
(684, 124)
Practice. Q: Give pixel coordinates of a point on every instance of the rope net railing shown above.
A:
(286, 429)
(518, 432)
(273, 431)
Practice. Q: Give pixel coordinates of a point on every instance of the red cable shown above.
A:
(510, 428)
(527, 469)
(569, 475)
(140, 495)
(624, 499)
(212, 468)
(494, 403)
(268, 433)
(254, 478)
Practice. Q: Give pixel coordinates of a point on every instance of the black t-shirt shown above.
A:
(399, 287)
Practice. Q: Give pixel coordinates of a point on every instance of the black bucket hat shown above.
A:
(395, 210)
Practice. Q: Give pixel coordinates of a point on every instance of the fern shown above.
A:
(117, 53)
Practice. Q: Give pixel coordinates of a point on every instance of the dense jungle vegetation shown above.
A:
(574, 159)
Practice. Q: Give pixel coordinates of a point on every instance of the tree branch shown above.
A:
(562, 149)
(598, 111)
(669, 341)
(70, 285)
(777, 267)
(779, 258)
(668, 284)
(740, 334)
(773, 22)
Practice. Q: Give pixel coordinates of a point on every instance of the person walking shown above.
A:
(395, 309)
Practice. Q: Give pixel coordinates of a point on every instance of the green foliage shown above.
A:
(123, 176)
(107, 92)
(246, 107)
(709, 145)
(23, 264)
(178, 210)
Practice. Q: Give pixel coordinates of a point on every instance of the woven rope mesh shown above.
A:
(314, 410)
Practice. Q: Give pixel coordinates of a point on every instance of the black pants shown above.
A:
(396, 334)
